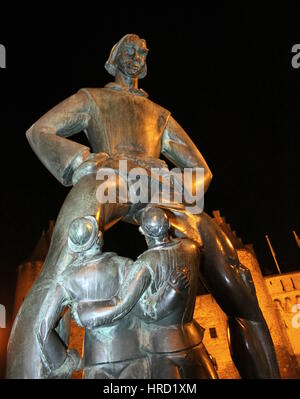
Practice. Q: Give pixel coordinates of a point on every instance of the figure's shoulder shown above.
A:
(149, 255)
(113, 90)
(161, 110)
(108, 96)
(189, 245)
(121, 260)
(93, 92)
(149, 260)
(102, 95)
(112, 257)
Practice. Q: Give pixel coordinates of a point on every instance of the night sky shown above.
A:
(225, 74)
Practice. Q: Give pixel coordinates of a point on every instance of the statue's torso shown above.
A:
(100, 279)
(179, 257)
(97, 279)
(170, 327)
(122, 122)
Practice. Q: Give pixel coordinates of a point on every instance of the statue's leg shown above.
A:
(191, 363)
(164, 367)
(199, 364)
(24, 355)
(231, 285)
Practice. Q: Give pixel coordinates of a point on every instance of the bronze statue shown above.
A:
(160, 290)
(147, 304)
(122, 124)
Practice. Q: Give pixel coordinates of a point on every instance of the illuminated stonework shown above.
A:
(276, 307)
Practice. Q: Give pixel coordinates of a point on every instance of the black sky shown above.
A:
(224, 72)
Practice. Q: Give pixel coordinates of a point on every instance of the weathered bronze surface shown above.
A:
(121, 123)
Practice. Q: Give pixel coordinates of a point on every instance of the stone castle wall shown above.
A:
(285, 292)
(210, 316)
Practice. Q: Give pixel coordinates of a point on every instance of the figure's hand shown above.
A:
(168, 297)
(75, 359)
(91, 165)
(72, 363)
(74, 313)
(81, 314)
(92, 314)
(179, 280)
(97, 158)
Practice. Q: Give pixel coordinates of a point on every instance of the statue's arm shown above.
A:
(59, 362)
(47, 137)
(91, 314)
(178, 148)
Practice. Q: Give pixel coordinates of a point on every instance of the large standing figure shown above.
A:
(121, 123)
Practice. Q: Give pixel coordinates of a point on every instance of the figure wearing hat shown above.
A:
(90, 275)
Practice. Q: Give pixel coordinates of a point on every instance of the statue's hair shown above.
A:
(110, 64)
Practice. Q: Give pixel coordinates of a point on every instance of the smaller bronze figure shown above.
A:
(89, 275)
(160, 290)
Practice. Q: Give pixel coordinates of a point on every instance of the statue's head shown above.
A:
(129, 57)
(84, 236)
(154, 225)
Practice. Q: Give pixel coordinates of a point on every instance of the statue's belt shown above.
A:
(130, 344)
(104, 160)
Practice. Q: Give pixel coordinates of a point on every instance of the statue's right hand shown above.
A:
(75, 359)
(71, 363)
(91, 165)
(179, 280)
(74, 312)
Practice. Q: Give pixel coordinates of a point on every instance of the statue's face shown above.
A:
(131, 58)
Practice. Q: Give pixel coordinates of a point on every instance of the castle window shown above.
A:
(283, 288)
(279, 304)
(293, 284)
(213, 332)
